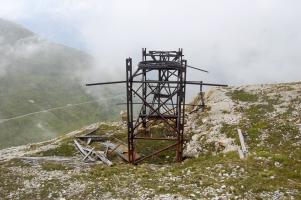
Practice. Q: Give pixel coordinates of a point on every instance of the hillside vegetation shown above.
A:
(269, 116)
(37, 75)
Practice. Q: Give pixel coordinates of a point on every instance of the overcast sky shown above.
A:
(238, 41)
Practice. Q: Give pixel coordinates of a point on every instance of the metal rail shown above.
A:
(160, 82)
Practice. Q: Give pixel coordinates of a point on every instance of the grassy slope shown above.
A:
(205, 177)
(40, 75)
(272, 170)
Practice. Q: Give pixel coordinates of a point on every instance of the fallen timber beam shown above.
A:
(243, 152)
(103, 158)
(89, 153)
(82, 150)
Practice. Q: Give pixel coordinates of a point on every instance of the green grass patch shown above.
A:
(16, 162)
(52, 166)
(50, 187)
(64, 149)
(241, 95)
(230, 131)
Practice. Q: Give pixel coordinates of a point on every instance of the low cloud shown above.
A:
(45, 132)
(239, 42)
(3, 67)
(1, 117)
(24, 48)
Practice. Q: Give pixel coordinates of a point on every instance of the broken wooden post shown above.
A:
(90, 153)
(81, 149)
(242, 151)
(103, 158)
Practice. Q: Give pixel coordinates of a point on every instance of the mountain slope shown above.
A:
(269, 115)
(37, 75)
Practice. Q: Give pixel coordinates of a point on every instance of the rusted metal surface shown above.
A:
(158, 86)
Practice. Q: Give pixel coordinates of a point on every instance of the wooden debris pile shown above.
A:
(91, 154)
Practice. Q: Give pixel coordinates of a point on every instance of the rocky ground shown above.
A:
(268, 115)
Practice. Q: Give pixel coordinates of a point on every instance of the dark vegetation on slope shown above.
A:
(36, 75)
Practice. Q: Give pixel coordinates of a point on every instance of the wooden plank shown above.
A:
(242, 141)
(103, 158)
(89, 140)
(240, 153)
(80, 148)
(88, 154)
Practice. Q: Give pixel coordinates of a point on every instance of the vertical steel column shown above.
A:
(178, 122)
(181, 114)
(158, 92)
(129, 94)
(180, 107)
(144, 89)
(202, 95)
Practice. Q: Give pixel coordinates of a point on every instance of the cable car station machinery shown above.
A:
(158, 87)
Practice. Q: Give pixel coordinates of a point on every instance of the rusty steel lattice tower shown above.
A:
(158, 86)
(161, 78)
